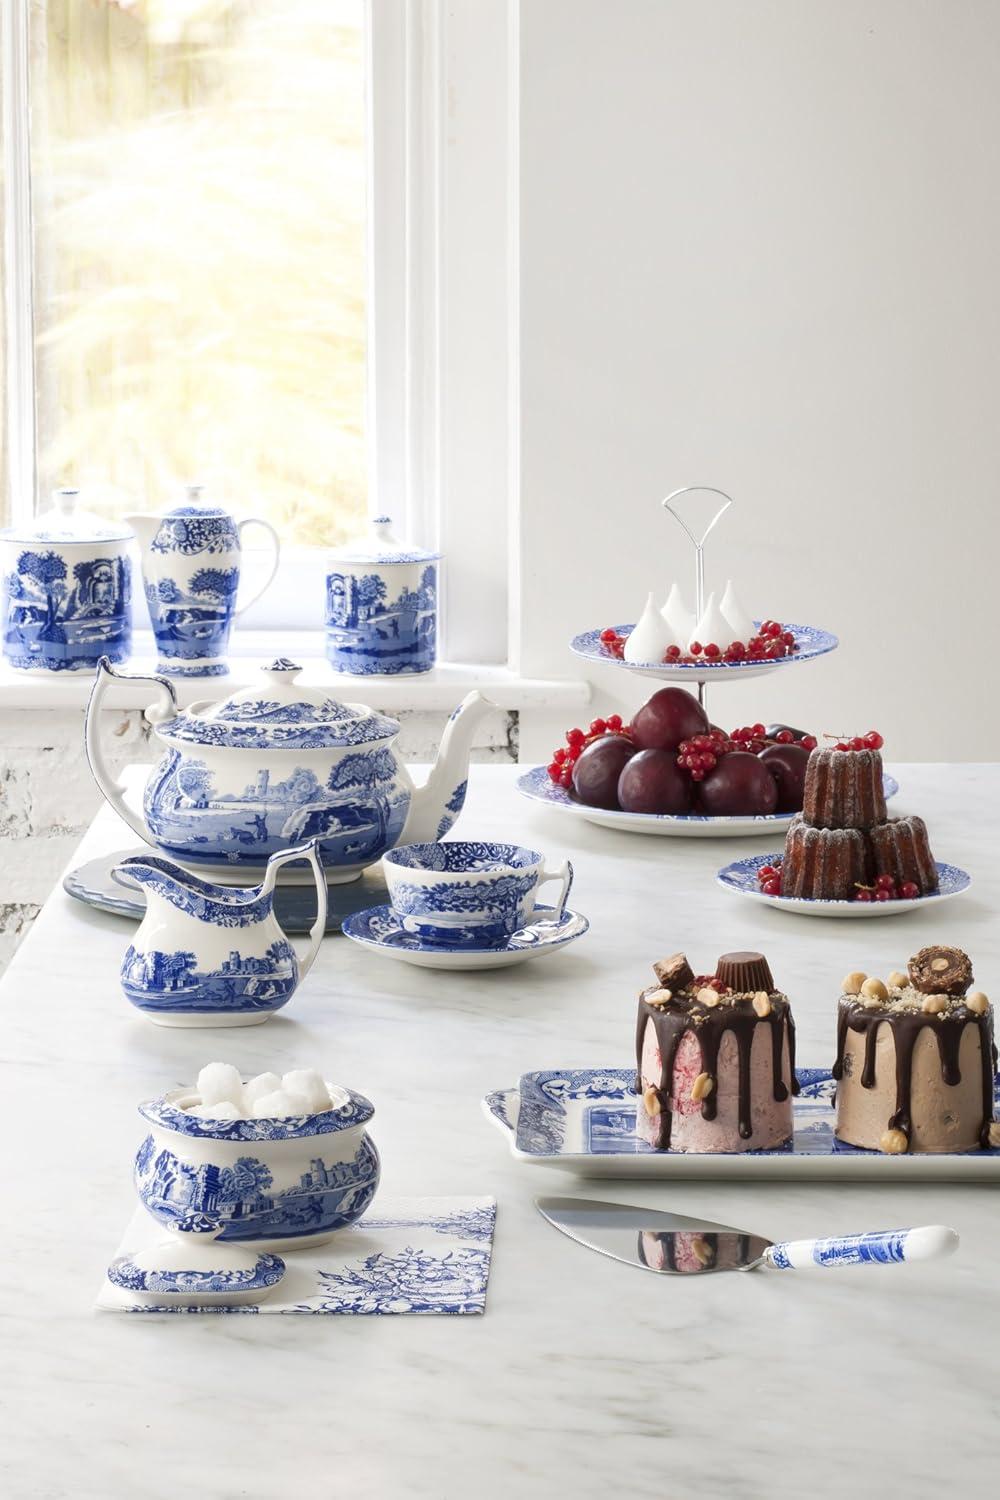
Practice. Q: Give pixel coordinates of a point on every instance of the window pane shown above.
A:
(199, 199)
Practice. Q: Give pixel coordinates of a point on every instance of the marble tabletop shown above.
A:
(584, 1378)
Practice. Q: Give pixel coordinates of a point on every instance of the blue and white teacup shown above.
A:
(469, 895)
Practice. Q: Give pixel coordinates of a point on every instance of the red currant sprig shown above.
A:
(887, 888)
(565, 757)
(702, 753)
(769, 879)
(870, 741)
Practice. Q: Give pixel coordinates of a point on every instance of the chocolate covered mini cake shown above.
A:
(915, 1058)
(715, 1058)
(844, 789)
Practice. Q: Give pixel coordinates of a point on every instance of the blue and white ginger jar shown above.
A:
(67, 590)
(381, 606)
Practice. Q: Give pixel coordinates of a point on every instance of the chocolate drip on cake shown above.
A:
(673, 1017)
(906, 1024)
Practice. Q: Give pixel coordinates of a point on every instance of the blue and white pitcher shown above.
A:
(214, 955)
(191, 575)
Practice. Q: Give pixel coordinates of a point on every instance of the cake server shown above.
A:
(672, 1245)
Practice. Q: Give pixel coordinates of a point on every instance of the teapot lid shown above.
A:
(280, 714)
(379, 545)
(64, 522)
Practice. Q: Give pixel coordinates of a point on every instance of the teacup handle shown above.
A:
(564, 874)
(276, 544)
(317, 931)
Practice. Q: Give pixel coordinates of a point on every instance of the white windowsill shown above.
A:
(439, 690)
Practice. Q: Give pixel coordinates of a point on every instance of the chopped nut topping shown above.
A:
(894, 1142)
(702, 1086)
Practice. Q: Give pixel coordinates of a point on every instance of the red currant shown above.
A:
(598, 726)
(885, 883)
(771, 888)
(555, 770)
(864, 894)
(695, 648)
(672, 653)
(787, 638)
(883, 895)
(766, 872)
(841, 745)
(737, 650)
(857, 743)
(614, 722)
(712, 650)
(909, 891)
(566, 778)
(609, 634)
(784, 737)
(575, 736)
(808, 742)
(755, 648)
(873, 740)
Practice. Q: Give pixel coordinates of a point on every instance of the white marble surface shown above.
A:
(584, 1378)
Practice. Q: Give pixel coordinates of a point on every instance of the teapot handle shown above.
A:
(163, 707)
(317, 931)
(255, 521)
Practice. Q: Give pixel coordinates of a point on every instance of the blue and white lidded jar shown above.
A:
(381, 606)
(191, 559)
(67, 588)
(280, 1184)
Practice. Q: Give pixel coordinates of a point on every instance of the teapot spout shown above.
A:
(437, 803)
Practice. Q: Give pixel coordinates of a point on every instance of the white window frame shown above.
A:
(443, 312)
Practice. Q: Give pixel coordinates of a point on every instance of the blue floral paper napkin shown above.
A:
(407, 1255)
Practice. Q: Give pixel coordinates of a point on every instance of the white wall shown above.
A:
(760, 250)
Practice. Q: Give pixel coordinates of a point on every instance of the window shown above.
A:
(267, 245)
(198, 185)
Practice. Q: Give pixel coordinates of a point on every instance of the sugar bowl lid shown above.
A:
(65, 523)
(193, 1266)
(280, 714)
(380, 546)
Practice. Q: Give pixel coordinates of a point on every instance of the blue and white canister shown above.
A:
(191, 559)
(67, 587)
(381, 606)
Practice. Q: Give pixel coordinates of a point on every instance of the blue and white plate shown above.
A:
(741, 877)
(95, 884)
(537, 786)
(811, 642)
(380, 930)
(582, 1120)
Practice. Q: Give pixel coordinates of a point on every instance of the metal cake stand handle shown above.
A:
(698, 543)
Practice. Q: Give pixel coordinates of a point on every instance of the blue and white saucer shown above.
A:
(380, 930)
(741, 877)
(810, 640)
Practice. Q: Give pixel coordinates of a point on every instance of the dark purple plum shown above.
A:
(671, 715)
(787, 764)
(596, 773)
(740, 786)
(772, 731)
(652, 782)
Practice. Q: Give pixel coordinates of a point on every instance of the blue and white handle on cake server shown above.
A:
(880, 1247)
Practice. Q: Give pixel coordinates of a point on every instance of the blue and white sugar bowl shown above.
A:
(214, 955)
(67, 588)
(381, 605)
(281, 1184)
(191, 561)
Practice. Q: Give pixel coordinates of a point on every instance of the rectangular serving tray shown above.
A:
(582, 1121)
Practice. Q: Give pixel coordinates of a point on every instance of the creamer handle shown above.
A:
(163, 707)
(317, 931)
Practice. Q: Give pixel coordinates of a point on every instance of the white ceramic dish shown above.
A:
(811, 641)
(379, 930)
(582, 1121)
(741, 878)
(537, 786)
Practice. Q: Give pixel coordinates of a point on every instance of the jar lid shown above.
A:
(380, 546)
(280, 714)
(64, 522)
(193, 1263)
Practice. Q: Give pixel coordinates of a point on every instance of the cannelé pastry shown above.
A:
(916, 1058)
(715, 1057)
(843, 846)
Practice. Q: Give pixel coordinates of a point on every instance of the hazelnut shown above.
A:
(977, 1002)
(894, 1142)
(851, 984)
(702, 1086)
(874, 989)
(762, 1004)
(898, 981)
(934, 1005)
(994, 1136)
(651, 1100)
(940, 964)
(708, 996)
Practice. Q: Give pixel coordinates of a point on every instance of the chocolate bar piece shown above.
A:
(674, 973)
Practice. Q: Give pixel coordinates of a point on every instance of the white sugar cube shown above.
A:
(224, 1110)
(220, 1081)
(264, 1083)
(310, 1086)
(275, 1106)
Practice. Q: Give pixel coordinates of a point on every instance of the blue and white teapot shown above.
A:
(280, 763)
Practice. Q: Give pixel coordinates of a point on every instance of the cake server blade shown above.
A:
(674, 1245)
